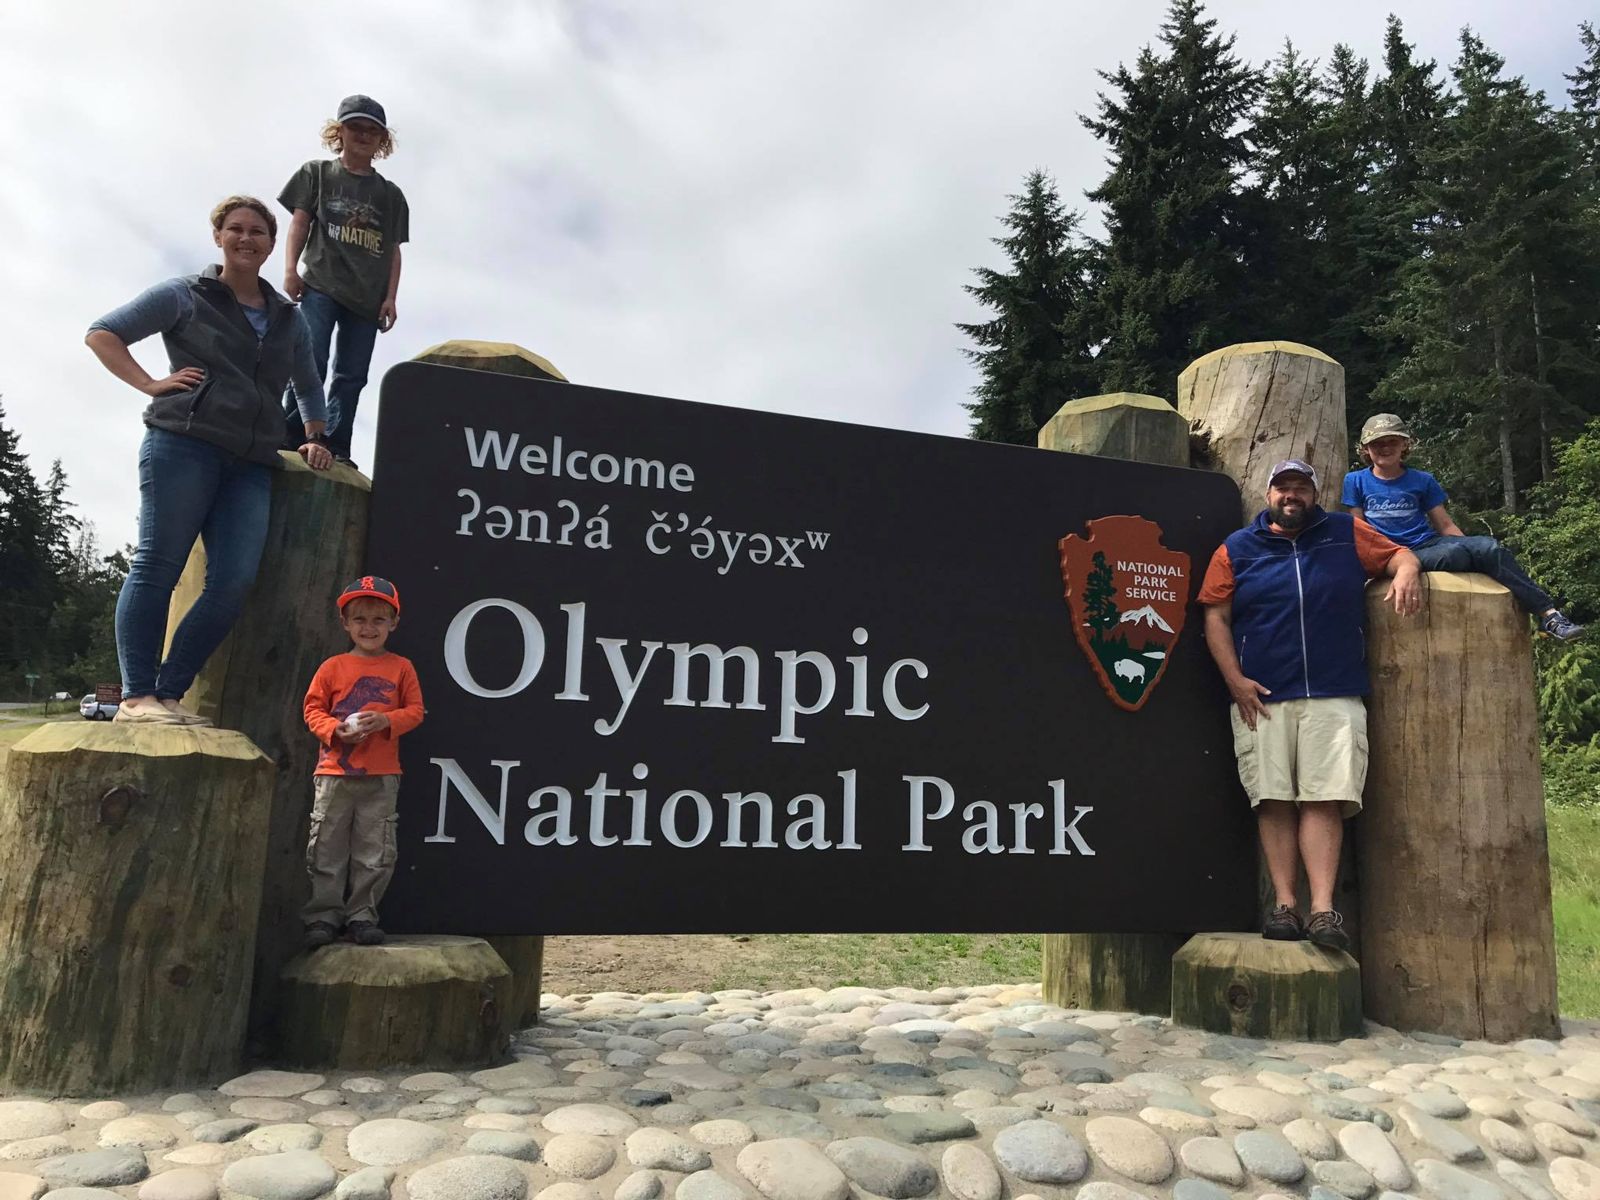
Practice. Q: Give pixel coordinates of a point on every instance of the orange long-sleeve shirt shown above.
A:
(352, 683)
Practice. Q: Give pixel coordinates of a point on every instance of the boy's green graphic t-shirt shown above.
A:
(356, 222)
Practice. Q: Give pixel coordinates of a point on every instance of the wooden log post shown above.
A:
(1251, 405)
(1244, 985)
(1454, 863)
(1118, 972)
(256, 681)
(130, 877)
(416, 1000)
(1248, 407)
(524, 958)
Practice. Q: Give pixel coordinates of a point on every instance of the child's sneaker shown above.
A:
(319, 934)
(1555, 623)
(365, 933)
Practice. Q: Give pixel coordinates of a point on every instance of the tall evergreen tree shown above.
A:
(1584, 91)
(27, 569)
(1036, 352)
(1176, 222)
(1476, 309)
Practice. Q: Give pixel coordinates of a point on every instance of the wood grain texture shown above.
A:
(1455, 865)
(1114, 972)
(1251, 405)
(422, 1000)
(1126, 425)
(130, 879)
(524, 957)
(1242, 984)
(256, 681)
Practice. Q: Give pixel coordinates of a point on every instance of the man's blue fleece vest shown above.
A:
(1299, 607)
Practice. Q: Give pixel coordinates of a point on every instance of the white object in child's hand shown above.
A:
(352, 722)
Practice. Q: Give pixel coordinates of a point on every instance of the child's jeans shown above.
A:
(352, 841)
(1484, 554)
(352, 355)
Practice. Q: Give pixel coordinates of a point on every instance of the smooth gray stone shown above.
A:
(770, 1042)
(1269, 1155)
(836, 1049)
(519, 1146)
(1283, 1066)
(1318, 1192)
(894, 1085)
(861, 1108)
(919, 1128)
(708, 1185)
(1341, 1109)
(471, 1177)
(1445, 1182)
(292, 1175)
(1331, 1080)
(1186, 1104)
(1435, 1039)
(1520, 1180)
(94, 1168)
(777, 1123)
(1041, 1151)
(923, 1037)
(1445, 1105)
(369, 1183)
(883, 1168)
(1348, 1179)
(507, 1104)
(1585, 1108)
(225, 1130)
(1087, 1075)
(1198, 1189)
(641, 1185)
(786, 1098)
(1448, 1141)
(643, 1097)
(899, 1070)
(853, 1090)
(675, 1114)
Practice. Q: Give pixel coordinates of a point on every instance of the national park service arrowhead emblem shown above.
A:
(1128, 594)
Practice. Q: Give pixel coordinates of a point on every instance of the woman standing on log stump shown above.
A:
(213, 430)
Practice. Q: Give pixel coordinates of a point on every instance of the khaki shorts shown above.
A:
(1307, 750)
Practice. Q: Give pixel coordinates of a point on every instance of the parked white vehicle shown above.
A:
(96, 710)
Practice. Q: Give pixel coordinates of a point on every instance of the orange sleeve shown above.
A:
(1373, 549)
(319, 704)
(1217, 587)
(408, 714)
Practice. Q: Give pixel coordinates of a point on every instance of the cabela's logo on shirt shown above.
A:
(1127, 594)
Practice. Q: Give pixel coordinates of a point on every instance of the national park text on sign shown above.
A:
(701, 669)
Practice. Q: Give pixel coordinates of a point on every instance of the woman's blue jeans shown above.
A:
(188, 489)
(1484, 554)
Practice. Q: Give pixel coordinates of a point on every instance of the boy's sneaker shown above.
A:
(1326, 929)
(365, 933)
(1284, 925)
(1555, 624)
(319, 934)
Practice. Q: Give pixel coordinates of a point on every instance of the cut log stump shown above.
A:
(1111, 972)
(524, 955)
(1242, 984)
(1455, 866)
(417, 1000)
(1125, 425)
(130, 878)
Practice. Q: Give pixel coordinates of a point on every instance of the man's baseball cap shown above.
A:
(1289, 465)
(1381, 425)
(363, 108)
(371, 585)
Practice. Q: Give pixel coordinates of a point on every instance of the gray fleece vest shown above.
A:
(238, 404)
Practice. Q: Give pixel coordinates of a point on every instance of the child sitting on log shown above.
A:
(1407, 505)
(359, 705)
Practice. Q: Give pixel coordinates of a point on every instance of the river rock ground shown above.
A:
(977, 1093)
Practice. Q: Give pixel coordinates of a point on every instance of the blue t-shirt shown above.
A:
(1396, 508)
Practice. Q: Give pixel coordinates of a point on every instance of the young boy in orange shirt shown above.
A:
(359, 705)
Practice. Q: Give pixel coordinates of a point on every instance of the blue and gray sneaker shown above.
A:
(1557, 626)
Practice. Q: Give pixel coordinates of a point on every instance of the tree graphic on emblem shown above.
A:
(1100, 598)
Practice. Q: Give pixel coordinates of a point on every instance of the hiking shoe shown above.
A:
(1555, 624)
(1284, 925)
(319, 934)
(364, 933)
(1326, 929)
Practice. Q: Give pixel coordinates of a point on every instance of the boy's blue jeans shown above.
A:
(188, 489)
(1485, 554)
(352, 355)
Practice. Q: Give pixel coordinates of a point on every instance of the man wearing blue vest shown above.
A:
(1285, 621)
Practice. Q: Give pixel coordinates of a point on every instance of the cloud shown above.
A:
(770, 206)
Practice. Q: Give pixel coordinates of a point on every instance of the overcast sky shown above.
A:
(771, 205)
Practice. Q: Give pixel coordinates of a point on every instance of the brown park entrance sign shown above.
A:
(702, 669)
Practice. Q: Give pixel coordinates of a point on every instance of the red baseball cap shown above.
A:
(371, 585)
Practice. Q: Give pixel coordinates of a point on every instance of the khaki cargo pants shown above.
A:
(352, 842)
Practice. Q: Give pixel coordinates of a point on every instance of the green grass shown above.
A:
(917, 960)
(1575, 884)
